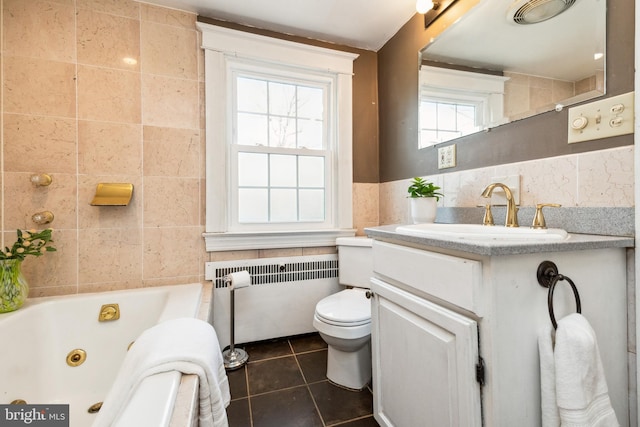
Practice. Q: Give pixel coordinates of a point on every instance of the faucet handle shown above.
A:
(538, 218)
(488, 216)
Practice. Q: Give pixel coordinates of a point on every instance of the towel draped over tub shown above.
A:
(574, 390)
(187, 345)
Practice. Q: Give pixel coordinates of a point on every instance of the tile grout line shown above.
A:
(313, 399)
(246, 380)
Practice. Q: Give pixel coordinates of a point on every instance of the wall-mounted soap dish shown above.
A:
(112, 194)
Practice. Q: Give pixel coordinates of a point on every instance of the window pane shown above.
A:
(310, 103)
(311, 171)
(282, 99)
(282, 170)
(466, 118)
(252, 170)
(282, 132)
(448, 136)
(253, 205)
(284, 206)
(288, 115)
(428, 115)
(251, 95)
(428, 137)
(446, 116)
(310, 134)
(311, 205)
(252, 129)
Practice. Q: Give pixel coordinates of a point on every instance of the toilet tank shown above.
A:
(355, 260)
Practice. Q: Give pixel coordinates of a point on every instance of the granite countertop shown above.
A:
(574, 242)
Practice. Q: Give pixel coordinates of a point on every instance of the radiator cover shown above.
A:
(279, 302)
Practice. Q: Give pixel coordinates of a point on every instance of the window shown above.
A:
(445, 119)
(281, 157)
(279, 165)
(456, 103)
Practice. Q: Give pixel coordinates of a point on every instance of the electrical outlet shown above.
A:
(447, 156)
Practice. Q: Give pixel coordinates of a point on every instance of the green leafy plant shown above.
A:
(422, 188)
(30, 242)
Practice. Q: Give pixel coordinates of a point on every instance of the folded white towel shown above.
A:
(187, 345)
(581, 392)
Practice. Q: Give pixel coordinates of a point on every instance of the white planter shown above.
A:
(423, 209)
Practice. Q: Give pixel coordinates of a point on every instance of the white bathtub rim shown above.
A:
(152, 402)
(48, 300)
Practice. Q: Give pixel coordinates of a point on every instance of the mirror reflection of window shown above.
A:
(455, 103)
(442, 121)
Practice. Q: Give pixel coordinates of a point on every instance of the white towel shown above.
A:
(549, 405)
(581, 393)
(187, 345)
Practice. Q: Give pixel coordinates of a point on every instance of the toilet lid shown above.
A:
(348, 308)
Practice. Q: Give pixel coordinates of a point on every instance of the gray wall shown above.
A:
(533, 138)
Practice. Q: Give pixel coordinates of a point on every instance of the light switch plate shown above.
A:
(601, 119)
(447, 156)
(513, 182)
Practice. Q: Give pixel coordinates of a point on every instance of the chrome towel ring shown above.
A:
(548, 277)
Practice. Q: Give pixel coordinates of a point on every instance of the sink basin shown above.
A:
(481, 232)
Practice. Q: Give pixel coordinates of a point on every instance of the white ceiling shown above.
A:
(483, 38)
(366, 24)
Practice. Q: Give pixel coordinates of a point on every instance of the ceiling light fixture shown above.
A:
(432, 9)
(423, 6)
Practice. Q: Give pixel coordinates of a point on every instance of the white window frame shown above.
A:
(485, 90)
(223, 47)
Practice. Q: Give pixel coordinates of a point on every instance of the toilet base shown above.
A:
(350, 369)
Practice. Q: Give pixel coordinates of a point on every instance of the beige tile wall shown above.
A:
(104, 91)
(111, 91)
(602, 178)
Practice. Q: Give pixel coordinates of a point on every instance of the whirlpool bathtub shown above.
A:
(58, 350)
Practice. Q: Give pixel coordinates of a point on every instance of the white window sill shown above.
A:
(236, 241)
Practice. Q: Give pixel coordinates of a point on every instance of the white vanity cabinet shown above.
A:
(455, 334)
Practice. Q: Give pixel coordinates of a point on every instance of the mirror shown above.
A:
(486, 70)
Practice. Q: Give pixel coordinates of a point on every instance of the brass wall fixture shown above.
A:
(94, 408)
(109, 312)
(41, 218)
(18, 402)
(76, 357)
(41, 179)
(112, 194)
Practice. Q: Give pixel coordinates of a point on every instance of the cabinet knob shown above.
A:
(368, 294)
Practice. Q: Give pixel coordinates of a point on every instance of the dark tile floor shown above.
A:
(284, 384)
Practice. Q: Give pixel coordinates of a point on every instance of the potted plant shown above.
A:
(424, 196)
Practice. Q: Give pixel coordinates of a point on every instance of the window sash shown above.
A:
(236, 225)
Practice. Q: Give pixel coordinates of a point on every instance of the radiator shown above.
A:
(279, 302)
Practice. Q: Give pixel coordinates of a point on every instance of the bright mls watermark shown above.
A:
(34, 415)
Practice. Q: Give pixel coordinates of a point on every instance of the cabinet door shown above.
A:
(424, 359)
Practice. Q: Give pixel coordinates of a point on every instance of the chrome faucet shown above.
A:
(512, 210)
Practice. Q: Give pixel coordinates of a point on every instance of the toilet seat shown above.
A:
(346, 308)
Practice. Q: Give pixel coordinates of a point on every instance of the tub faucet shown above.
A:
(512, 210)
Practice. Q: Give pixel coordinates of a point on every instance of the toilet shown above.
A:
(344, 318)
